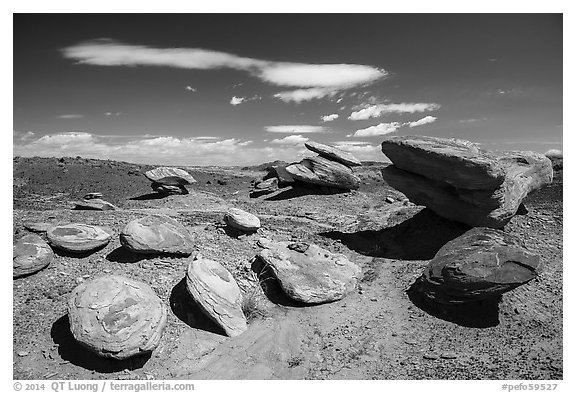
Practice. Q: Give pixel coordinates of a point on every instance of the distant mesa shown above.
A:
(78, 237)
(461, 182)
(31, 254)
(482, 263)
(116, 317)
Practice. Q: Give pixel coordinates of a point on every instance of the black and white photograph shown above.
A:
(287, 196)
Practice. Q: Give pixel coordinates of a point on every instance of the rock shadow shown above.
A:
(235, 232)
(77, 254)
(124, 255)
(71, 350)
(417, 238)
(152, 195)
(271, 286)
(478, 314)
(300, 190)
(188, 311)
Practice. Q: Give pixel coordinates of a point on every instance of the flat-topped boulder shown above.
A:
(94, 204)
(169, 176)
(482, 263)
(242, 220)
(216, 292)
(156, 234)
(333, 153)
(308, 273)
(30, 254)
(78, 237)
(324, 172)
(462, 182)
(38, 227)
(116, 317)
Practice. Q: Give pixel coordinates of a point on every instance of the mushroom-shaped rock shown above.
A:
(242, 220)
(169, 190)
(116, 317)
(308, 273)
(333, 153)
(94, 204)
(169, 176)
(77, 237)
(31, 254)
(480, 264)
(217, 293)
(156, 234)
(324, 172)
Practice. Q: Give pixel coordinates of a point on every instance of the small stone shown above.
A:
(93, 195)
(389, 199)
(242, 220)
(430, 356)
(448, 355)
(94, 204)
(23, 353)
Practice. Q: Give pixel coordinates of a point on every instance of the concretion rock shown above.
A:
(94, 204)
(93, 195)
(76, 237)
(169, 190)
(308, 273)
(217, 293)
(31, 254)
(156, 234)
(333, 153)
(242, 220)
(169, 176)
(460, 182)
(116, 317)
(39, 227)
(482, 263)
(324, 172)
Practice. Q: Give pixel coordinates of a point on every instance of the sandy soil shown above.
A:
(381, 331)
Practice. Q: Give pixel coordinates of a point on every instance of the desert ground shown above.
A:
(380, 331)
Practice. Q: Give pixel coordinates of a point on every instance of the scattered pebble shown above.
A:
(23, 353)
(430, 356)
(373, 299)
(448, 355)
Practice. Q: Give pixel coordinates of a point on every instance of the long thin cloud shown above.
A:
(374, 111)
(326, 76)
(295, 129)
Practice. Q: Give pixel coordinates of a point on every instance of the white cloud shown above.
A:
(71, 116)
(422, 121)
(192, 89)
(294, 129)
(331, 117)
(237, 100)
(300, 95)
(374, 111)
(290, 140)
(380, 129)
(331, 76)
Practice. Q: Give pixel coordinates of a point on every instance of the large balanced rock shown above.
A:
(77, 237)
(333, 153)
(462, 182)
(308, 273)
(482, 263)
(94, 204)
(116, 317)
(156, 234)
(242, 220)
(217, 293)
(169, 176)
(324, 172)
(31, 254)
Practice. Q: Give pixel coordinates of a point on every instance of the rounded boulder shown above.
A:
(242, 220)
(156, 234)
(76, 237)
(31, 254)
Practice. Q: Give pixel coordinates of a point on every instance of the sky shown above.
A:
(241, 89)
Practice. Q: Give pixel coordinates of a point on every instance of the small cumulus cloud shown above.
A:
(301, 95)
(374, 111)
(380, 129)
(331, 117)
(237, 100)
(295, 129)
(422, 121)
(112, 114)
(191, 89)
(70, 116)
(290, 140)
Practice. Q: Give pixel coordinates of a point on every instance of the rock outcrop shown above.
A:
(481, 264)
(78, 237)
(116, 317)
(217, 293)
(333, 153)
(462, 182)
(308, 273)
(239, 219)
(156, 234)
(30, 254)
(324, 172)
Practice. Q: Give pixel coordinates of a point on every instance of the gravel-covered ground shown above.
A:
(378, 332)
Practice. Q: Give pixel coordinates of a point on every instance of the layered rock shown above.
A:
(94, 204)
(242, 220)
(30, 254)
(279, 171)
(461, 182)
(333, 153)
(217, 293)
(116, 317)
(324, 172)
(481, 264)
(169, 176)
(308, 273)
(156, 234)
(78, 237)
